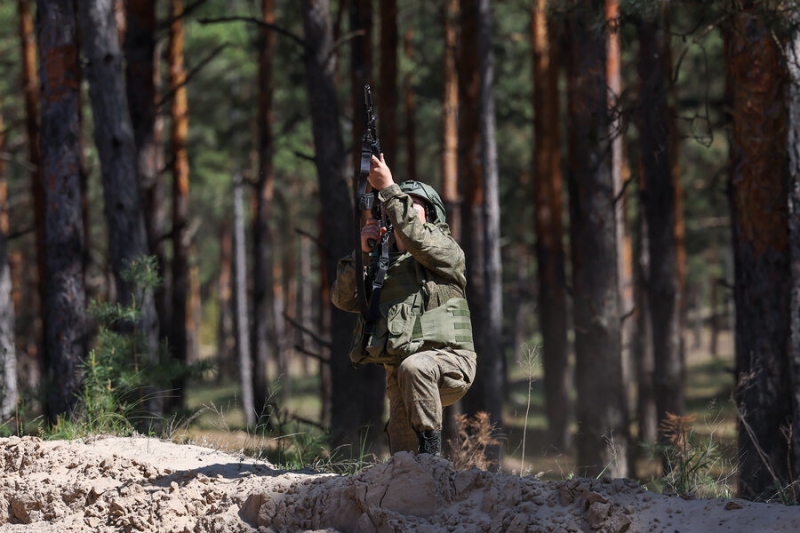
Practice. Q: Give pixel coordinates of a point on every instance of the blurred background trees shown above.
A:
(617, 171)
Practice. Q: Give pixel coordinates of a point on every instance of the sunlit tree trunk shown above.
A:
(450, 107)
(65, 334)
(30, 90)
(618, 168)
(226, 365)
(8, 350)
(549, 207)
(602, 438)
(761, 249)
(241, 314)
(179, 130)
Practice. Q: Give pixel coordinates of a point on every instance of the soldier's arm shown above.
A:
(430, 244)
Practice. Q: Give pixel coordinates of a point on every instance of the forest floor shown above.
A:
(144, 484)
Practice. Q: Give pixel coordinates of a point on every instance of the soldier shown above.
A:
(422, 334)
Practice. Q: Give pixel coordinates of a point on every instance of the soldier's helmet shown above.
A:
(436, 212)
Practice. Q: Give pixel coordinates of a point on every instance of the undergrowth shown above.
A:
(124, 381)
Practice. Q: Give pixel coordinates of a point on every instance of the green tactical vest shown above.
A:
(403, 326)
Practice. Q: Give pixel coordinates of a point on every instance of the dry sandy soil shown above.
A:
(142, 484)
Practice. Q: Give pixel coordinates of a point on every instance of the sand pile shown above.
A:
(140, 484)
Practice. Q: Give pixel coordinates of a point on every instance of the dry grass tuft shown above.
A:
(475, 435)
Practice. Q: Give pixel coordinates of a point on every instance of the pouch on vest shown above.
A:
(448, 325)
(371, 349)
(405, 333)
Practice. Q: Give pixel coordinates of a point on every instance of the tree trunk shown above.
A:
(491, 363)
(470, 170)
(793, 63)
(194, 312)
(30, 90)
(241, 315)
(306, 306)
(65, 334)
(410, 101)
(113, 133)
(643, 339)
(349, 412)
(263, 248)
(658, 201)
(759, 212)
(549, 206)
(450, 107)
(624, 256)
(144, 100)
(278, 310)
(180, 196)
(602, 439)
(387, 99)
(8, 351)
(226, 339)
(361, 57)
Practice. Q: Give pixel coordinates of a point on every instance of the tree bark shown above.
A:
(450, 105)
(142, 82)
(350, 413)
(180, 196)
(470, 171)
(263, 247)
(8, 352)
(491, 363)
(241, 315)
(624, 255)
(361, 64)
(602, 439)
(410, 106)
(113, 133)
(643, 339)
(759, 212)
(30, 90)
(387, 99)
(548, 224)
(793, 138)
(658, 201)
(226, 338)
(65, 334)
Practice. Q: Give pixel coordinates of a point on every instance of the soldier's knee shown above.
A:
(418, 365)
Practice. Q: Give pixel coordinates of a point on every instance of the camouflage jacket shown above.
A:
(429, 275)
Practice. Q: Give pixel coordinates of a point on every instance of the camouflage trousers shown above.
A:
(419, 387)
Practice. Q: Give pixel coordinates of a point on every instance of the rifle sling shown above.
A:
(377, 285)
(361, 189)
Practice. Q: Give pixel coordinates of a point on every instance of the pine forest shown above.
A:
(178, 182)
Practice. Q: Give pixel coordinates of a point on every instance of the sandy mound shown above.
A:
(140, 484)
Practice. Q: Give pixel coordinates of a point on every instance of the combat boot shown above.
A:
(430, 441)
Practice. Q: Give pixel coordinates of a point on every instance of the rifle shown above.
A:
(370, 145)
